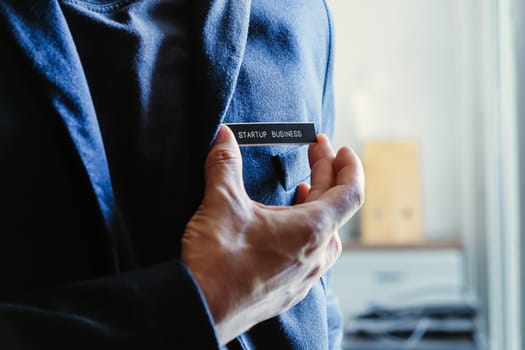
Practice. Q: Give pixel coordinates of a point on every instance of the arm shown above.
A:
(250, 261)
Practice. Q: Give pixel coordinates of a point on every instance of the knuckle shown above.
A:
(220, 156)
(334, 250)
(315, 272)
(289, 300)
(357, 196)
(317, 222)
(338, 248)
(293, 299)
(304, 294)
(314, 234)
(312, 238)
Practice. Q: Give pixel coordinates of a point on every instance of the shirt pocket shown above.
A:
(292, 167)
(272, 173)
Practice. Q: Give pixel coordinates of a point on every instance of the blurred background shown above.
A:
(428, 93)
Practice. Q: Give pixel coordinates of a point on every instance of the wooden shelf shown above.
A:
(353, 245)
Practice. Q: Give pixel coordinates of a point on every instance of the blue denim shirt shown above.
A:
(107, 112)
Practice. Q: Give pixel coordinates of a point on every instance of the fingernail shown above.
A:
(223, 134)
(322, 138)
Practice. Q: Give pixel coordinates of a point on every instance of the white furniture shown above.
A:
(397, 276)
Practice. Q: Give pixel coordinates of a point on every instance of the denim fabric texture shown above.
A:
(107, 112)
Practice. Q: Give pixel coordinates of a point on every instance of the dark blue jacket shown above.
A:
(69, 273)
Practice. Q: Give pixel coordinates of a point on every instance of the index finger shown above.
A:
(338, 204)
(348, 167)
(321, 157)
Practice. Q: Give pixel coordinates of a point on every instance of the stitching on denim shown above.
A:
(116, 5)
(323, 283)
(329, 60)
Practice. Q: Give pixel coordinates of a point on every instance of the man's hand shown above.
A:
(252, 261)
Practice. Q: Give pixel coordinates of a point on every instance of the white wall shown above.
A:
(399, 75)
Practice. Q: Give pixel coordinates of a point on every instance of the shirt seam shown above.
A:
(330, 53)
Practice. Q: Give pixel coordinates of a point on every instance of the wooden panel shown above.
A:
(392, 210)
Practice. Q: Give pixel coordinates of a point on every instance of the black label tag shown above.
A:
(251, 134)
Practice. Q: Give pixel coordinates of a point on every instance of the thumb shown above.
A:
(224, 162)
